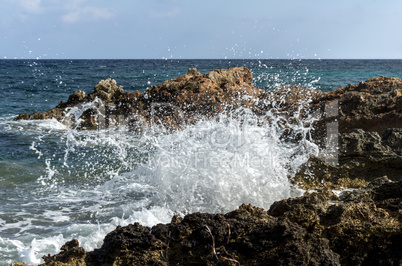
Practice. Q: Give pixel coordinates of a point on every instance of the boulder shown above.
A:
(363, 226)
(359, 133)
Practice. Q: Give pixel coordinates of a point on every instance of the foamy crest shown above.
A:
(96, 180)
(214, 166)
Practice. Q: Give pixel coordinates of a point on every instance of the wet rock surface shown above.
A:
(360, 227)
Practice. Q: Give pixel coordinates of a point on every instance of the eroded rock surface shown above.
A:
(361, 227)
(371, 105)
(182, 100)
(362, 156)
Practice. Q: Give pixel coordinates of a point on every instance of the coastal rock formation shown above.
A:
(361, 156)
(355, 228)
(106, 91)
(361, 124)
(358, 128)
(372, 105)
(174, 103)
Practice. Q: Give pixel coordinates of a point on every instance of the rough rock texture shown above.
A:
(361, 227)
(362, 123)
(364, 228)
(365, 121)
(176, 102)
(106, 90)
(372, 105)
(363, 155)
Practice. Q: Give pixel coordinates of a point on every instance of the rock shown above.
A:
(363, 155)
(192, 71)
(76, 97)
(357, 228)
(107, 91)
(173, 104)
(372, 105)
(361, 124)
(363, 229)
(358, 128)
(71, 254)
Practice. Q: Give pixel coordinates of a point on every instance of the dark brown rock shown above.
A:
(361, 227)
(71, 254)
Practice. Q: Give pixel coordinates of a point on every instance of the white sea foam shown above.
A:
(29, 126)
(97, 180)
(215, 166)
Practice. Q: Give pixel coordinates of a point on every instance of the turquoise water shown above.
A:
(57, 183)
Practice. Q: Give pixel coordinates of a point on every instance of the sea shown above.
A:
(58, 183)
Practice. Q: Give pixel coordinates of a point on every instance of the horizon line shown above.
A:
(178, 59)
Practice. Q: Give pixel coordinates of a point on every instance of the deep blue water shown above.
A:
(57, 183)
(30, 85)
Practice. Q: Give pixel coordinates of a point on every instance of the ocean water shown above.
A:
(57, 183)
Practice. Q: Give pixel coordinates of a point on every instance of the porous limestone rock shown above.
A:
(361, 227)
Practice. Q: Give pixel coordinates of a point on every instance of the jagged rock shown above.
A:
(361, 227)
(107, 90)
(71, 254)
(174, 103)
(76, 97)
(372, 105)
(363, 155)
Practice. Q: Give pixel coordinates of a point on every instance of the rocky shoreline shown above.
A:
(359, 129)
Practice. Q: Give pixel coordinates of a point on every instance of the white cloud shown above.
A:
(32, 6)
(88, 13)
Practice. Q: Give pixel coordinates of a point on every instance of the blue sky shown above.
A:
(133, 29)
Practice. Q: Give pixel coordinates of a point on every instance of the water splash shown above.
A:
(96, 180)
(214, 166)
(274, 76)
